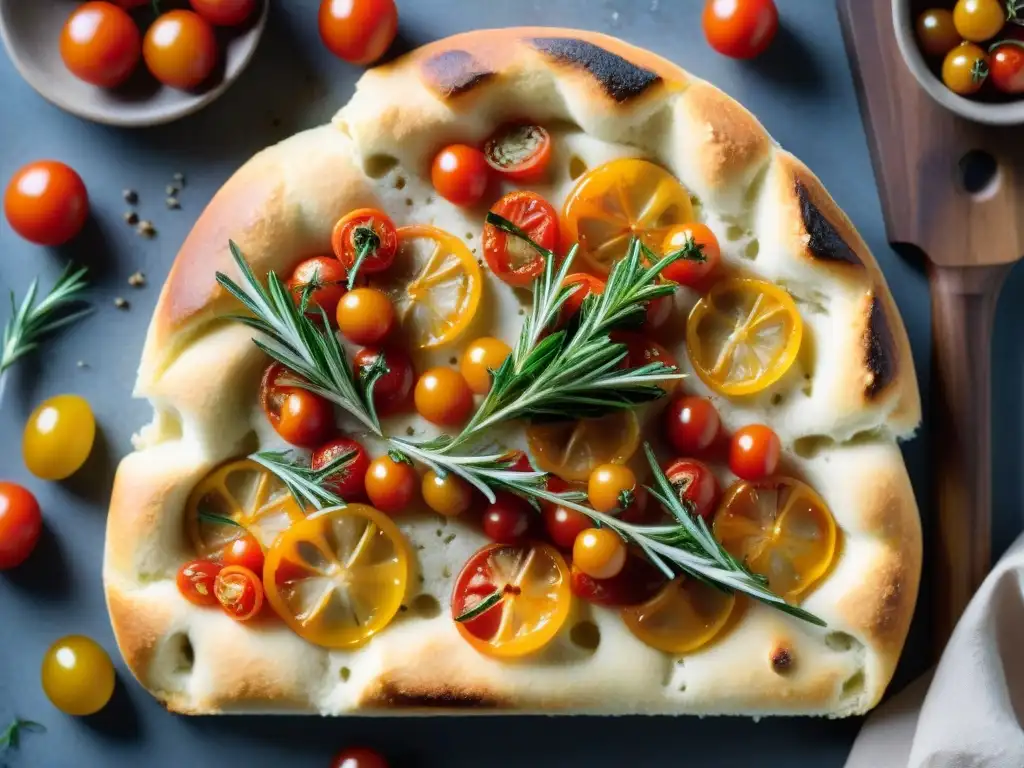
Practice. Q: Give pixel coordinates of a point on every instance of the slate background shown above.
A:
(803, 92)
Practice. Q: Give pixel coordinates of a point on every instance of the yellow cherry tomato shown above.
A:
(443, 397)
(743, 335)
(434, 284)
(979, 20)
(242, 492)
(618, 200)
(781, 529)
(58, 437)
(77, 675)
(449, 495)
(685, 615)
(483, 356)
(965, 69)
(338, 577)
(611, 488)
(365, 316)
(599, 552)
(572, 449)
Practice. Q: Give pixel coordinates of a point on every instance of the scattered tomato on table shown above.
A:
(77, 675)
(741, 29)
(20, 524)
(58, 437)
(359, 757)
(358, 31)
(46, 202)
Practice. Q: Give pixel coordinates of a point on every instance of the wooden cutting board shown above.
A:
(970, 240)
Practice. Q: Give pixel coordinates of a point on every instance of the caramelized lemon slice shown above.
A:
(743, 335)
(246, 493)
(571, 449)
(685, 615)
(782, 529)
(617, 200)
(338, 577)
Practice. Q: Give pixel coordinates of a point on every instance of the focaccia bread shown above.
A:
(838, 412)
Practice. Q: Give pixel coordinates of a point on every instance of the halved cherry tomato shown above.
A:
(365, 316)
(297, 415)
(507, 520)
(979, 20)
(781, 529)
(588, 285)
(359, 757)
(521, 152)
(326, 280)
(460, 174)
(571, 449)
(180, 49)
(339, 577)
(691, 424)
(443, 397)
(244, 551)
(239, 592)
(20, 525)
(449, 495)
(599, 552)
(58, 437)
(100, 44)
(358, 31)
(392, 390)
(224, 13)
(511, 258)
(77, 676)
(1006, 67)
(754, 452)
(366, 240)
(936, 32)
(965, 69)
(692, 237)
(695, 485)
(641, 350)
(391, 485)
(46, 202)
(480, 360)
(527, 589)
(741, 29)
(196, 581)
(349, 481)
(637, 582)
(685, 615)
(563, 524)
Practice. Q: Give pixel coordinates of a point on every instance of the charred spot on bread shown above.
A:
(391, 695)
(823, 240)
(620, 79)
(453, 73)
(879, 350)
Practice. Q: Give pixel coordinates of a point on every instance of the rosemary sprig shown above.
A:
(215, 519)
(307, 485)
(11, 736)
(484, 605)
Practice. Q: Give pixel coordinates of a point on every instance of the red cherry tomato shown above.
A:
(132, 3)
(358, 757)
(239, 592)
(299, 416)
(521, 152)
(358, 31)
(518, 461)
(180, 49)
(391, 485)
(691, 424)
(641, 350)
(695, 484)
(367, 236)
(224, 13)
(563, 524)
(392, 390)
(741, 29)
(349, 481)
(1006, 67)
(507, 520)
(244, 551)
(693, 237)
(754, 452)
(20, 525)
(459, 174)
(100, 44)
(658, 312)
(326, 279)
(511, 258)
(637, 582)
(196, 582)
(589, 284)
(46, 202)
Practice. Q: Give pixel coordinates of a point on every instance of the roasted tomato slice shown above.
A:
(685, 615)
(196, 581)
(239, 592)
(511, 600)
(511, 258)
(366, 240)
(521, 152)
(637, 582)
(695, 484)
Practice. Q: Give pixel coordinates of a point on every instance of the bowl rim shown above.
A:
(979, 112)
(39, 83)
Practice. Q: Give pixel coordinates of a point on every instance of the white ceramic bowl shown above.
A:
(31, 34)
(1011, 113)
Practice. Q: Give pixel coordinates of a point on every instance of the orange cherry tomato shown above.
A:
(443, 397)
(965, 69)
(391, 391)
(358, 31)
(365, 316)
(614, 490)
(46, 202)
(599, 553)
(511, 258)
(180, 49)
(691, 424)
(100, 44)
(481, 358)
(349, 481)
(327, 281)
(20, 525)
(239, 592)
(224, 13)
(365, 236)
(299, 416)
(979, 20)
(196, 582)
(936, 32)
(390, 484)
(692, 236)
(460, 174)
(588, 285)
(244, 551)
(754, 452)
(521, 152)
(449, 495)
(741, 29)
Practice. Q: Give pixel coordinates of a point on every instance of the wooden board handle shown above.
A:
(963, 307)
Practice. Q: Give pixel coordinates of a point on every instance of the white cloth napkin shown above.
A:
(969, 712)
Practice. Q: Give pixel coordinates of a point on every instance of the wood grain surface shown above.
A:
(971, 234)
